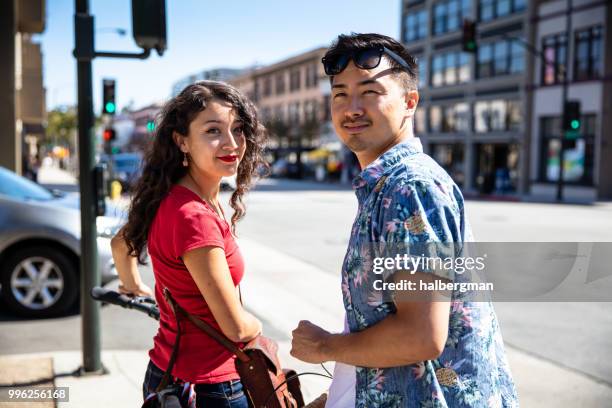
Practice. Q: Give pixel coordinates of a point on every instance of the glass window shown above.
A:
(515, 117)
(462, 115)
(280, 84)
(437, 78)
(267, 86)
(464, 68)
(416, 25)
(435, 119)
(440, 18)
(450, 73)
(500, 58)
(449, 15)
(517, 57)
(481, 117)
(588, 58)
(485, 56)
(503, 7)
(422, 64)
(577, 161)
(422, 24)
(486, 10)
(419, 120)
(554, 48)
(491, 9)
(519, 5)
(497, 115)
(453, 15)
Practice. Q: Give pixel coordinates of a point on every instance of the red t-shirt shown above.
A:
(184, 222)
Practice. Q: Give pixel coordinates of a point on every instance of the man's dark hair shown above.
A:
(357, 41)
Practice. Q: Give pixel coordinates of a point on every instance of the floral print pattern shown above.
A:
(405, 197)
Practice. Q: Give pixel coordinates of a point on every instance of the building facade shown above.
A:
(23, 114)
(492, 118)
(586, 45)
(471, 117)
(292, 97)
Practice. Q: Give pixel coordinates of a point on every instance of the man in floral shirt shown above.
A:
(443, 353)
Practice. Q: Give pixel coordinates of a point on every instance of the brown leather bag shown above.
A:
(265, 383)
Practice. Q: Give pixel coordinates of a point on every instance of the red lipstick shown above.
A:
(230, 158)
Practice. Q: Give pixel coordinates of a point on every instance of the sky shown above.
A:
(201, 34)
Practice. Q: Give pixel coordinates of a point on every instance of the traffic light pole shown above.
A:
(560, 181)
(90, 273)
(89, 181)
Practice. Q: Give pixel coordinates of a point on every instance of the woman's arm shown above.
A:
(210, 271)
(127, 268)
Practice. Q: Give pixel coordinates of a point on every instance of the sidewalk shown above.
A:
(296, 290)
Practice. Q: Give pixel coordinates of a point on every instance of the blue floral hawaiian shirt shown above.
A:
(404, 196)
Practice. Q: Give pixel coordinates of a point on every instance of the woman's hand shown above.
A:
(138, 290)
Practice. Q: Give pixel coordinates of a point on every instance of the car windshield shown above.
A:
(19, 187)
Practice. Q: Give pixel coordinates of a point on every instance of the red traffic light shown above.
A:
(109, 134)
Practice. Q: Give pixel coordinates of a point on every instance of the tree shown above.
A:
(61, 126)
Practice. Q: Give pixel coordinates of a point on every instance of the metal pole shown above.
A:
(90, 273)
(564, 99)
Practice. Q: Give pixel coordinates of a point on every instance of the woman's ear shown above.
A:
(180, 141)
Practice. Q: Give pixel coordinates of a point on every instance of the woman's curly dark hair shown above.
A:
(162, 166)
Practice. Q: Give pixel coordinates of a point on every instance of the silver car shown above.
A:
(40, 246)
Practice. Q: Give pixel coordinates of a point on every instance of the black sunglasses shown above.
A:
(366, 58)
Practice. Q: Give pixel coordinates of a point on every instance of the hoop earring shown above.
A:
(185, 162)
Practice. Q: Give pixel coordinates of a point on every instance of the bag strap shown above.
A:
(206, 328)
(166, 378)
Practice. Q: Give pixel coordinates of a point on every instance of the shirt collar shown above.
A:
(386, 162)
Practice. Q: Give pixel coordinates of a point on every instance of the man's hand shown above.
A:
(139, 290)
(309, 343)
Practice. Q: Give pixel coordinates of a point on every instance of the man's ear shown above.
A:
(411, 100)
(179, 140)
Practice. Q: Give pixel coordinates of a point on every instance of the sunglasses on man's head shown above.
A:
(366, 58)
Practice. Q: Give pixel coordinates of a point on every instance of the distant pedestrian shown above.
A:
(434, 352)
(207, 132)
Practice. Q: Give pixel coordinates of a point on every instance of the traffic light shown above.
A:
(108, 97)
(469, 36)
(149, 24)
(109, 134)
(150, 125)
(571, 116)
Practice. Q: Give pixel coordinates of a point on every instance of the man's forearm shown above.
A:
(386, 344)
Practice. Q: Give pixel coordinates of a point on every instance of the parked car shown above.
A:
(126, 167)
(284, 169)
(228, 183)
(40, 233)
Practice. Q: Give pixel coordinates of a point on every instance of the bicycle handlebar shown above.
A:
(143, 304)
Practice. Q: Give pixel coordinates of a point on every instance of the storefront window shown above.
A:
(578, 157)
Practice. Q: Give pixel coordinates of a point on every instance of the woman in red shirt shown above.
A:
(207, 132)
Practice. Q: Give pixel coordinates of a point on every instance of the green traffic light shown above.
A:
(575, 124)
(110, 107)
(150, 126)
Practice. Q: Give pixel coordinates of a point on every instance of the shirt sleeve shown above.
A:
(422, 218)
(196, 227)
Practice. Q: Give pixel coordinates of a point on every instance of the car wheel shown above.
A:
(39, 282)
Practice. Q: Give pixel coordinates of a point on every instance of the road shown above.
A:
(309, 223)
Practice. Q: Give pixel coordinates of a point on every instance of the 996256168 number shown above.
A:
(14, 394)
